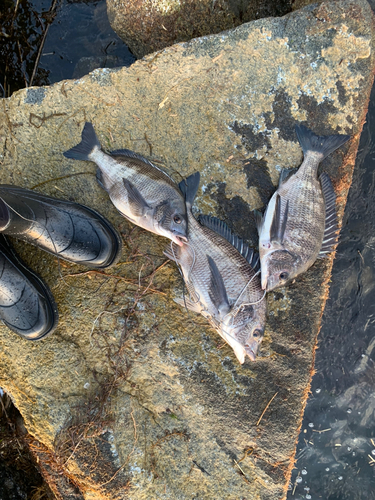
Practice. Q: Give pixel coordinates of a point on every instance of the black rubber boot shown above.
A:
(66, 229)
(26, 304)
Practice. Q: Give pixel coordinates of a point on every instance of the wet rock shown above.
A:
(131, 396)
(149, 25)
(87, 64)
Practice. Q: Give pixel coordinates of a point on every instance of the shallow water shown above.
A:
(335, 457)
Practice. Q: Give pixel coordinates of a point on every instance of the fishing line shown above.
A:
(232, 314)
(243, 290)
(182, 276)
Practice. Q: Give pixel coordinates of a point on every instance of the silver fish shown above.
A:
(300, 222)
(140, 191)
(221, 274)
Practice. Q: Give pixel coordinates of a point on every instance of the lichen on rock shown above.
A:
(132, 397)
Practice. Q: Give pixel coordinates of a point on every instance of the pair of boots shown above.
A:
(68, 230)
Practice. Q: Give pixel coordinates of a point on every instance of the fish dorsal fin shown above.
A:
(189, 187)
(325, 145)
(137, 203)
(279, 220)
(127, 153)
(331, 226)
(285, 174)
(223, 230)
(217, 291)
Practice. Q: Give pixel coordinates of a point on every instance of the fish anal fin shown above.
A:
(189, 187)
(137, 203)
(217, 291)
(188, 304)
(223, 230)
(99, 178)
(331, 226)
(285, 174)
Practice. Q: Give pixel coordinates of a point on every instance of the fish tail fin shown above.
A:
(189, 187)
(86, 146)
(325, 145)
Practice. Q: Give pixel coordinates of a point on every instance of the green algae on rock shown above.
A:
(132, 397)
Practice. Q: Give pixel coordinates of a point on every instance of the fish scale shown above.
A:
(140, 191)
(223, 285)
(300, 220)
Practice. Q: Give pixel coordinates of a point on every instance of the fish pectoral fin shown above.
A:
(189, 187)
(137, 203)
(217, 291)
(331, 226)
(258, 220)
(279, 220)
(188, 304)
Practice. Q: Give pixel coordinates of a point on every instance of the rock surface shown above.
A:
(150, 25)
(132, 397)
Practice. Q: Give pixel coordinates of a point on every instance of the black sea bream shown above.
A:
(140, 191)
(221, 274)
(300, 222)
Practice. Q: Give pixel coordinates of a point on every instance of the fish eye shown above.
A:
(257, 333)
(177, 219)
(284, 275)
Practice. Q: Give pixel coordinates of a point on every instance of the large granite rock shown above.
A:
(150, 25)
(132, 397)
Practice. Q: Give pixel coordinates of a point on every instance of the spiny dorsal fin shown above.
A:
(127, 153)
(331, 226)
(221, 228)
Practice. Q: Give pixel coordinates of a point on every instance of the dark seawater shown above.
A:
(68, 39)
(335, 457)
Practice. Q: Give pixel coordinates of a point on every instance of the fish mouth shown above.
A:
(179, 239)
(250, 353)
(264, 283)
(251, 349)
